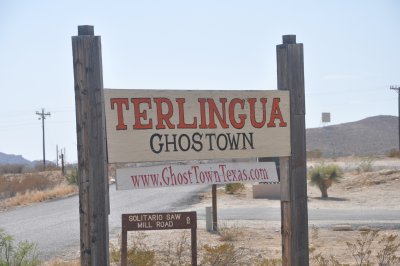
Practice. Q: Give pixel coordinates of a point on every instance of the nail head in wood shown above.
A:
(86, 30)
(289, 39)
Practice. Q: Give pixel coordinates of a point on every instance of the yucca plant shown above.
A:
(324, 176)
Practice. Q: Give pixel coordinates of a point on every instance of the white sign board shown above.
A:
(160, 125)
(171, 175)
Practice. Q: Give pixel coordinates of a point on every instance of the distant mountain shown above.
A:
(13, 159)
(370, 136)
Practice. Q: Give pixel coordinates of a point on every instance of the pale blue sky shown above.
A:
(351, 56)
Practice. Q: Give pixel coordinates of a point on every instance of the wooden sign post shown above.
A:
(294, 214)
(92, 157)
(188, 125)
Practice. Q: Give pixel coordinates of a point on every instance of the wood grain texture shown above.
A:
(91, 145)
(214, 208)
(136, 144)
(290, 71)
(124, 247)
(284, 178)
(286, 232)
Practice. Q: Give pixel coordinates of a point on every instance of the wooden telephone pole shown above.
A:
(43, 117)
(293, 170)
(92, 159)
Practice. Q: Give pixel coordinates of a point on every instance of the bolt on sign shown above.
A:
(159, 221)
(170, 175)
(159, 125)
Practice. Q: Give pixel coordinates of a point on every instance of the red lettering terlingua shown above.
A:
(159, 113)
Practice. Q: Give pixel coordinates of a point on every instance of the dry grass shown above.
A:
(229, 233)
(29, 197)
(59, 262)
(373, 178)
(11, 184)
(28, 188)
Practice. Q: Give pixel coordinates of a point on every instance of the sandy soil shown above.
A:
(377, 189)
(256, 240)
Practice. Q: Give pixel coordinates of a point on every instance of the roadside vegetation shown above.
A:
(234, 188)
(17, 254)
(232, 245)
(24, 188)
(384, 253)
(323, 176)
(393, 153)
(359, 248)
(365, 165)
(177, 252)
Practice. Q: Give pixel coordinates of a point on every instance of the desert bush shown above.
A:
(365, 165)
(393, 153)
(229, 233)
(233, 188)
(39, 196)
(177, 253)
(269, 262)
(137, 254)
(360, 249)
(320, 260)
(60, 262)
(11, 168)
(324, 176)
(387, 255)
(221, 255)
(72, 177)
(314, 154)
(12, 184)
(23, 254)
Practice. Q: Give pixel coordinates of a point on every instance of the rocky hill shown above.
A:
(13, 159)
(370, 136)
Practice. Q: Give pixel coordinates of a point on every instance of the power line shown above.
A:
(43, 117)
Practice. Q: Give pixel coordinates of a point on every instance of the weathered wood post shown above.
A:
(91, 137)
(290, 71)
(214, 208)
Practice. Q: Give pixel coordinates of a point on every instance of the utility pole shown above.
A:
(94, 204)
(43, 117)
(57, 156)
(62, 163)
(397, 88)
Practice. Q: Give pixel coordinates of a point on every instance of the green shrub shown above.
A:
(324, 176)
(72, 178)
(24, 254)
(233, 188)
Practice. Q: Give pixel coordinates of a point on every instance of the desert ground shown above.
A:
(368, 183)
